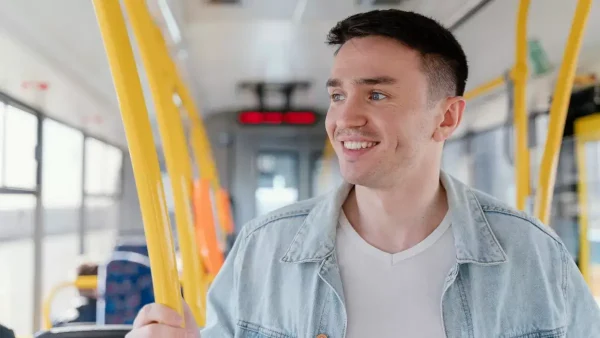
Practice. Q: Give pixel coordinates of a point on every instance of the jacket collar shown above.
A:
(473, 237)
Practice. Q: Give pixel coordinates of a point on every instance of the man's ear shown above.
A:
(453, 109)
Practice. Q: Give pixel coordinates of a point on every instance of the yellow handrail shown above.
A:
(519, 77)
(174, 145)
(558, 112)
(484, 88)
(327, 163)
(587, 129)
(200, 143)
(142, 152)
(202, 150)
(82, 282)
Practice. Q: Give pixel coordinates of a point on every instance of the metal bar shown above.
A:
(3, 141)
(471, 13)
(484, 88)
(158, 68)
(102, 195)
(38, 231)
(12, 101)
(83, 207)
(558, 112)
(119, 196)
(82, 282)
(17, 191)
(144, 158)
(519, 77)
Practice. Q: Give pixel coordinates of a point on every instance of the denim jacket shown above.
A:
(513, 277)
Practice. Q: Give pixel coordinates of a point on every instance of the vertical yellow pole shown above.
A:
(519, 75)
(204, 157)
(143, 154)
(174, 145)
(200, 143)
(203, 278)
(587, 129)
(326, 169)
(558, 112)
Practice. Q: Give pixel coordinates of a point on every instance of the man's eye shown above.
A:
(375, 96)
(337, 97)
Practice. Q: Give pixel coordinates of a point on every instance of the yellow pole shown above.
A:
(200, 144)
(174, 145)
(82, 282)
(484, 88)
(587, 129)
(143, 154)
(558, 112)
(326, 168)
(174, 78)
(519, 75)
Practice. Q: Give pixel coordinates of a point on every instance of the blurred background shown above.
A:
(67, 190)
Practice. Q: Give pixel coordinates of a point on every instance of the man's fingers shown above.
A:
(157, 313)
(159, 330)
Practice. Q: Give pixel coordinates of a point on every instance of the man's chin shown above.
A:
(355, 177)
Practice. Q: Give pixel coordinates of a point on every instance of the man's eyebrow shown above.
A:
(379, 80)
(385, 80)
(334, 83)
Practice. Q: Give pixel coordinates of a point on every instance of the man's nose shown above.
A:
(352, 115)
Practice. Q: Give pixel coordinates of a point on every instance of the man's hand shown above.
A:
(158, 321)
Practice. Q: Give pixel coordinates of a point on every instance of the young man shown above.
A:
(401, 249)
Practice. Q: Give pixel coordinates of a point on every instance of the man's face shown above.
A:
(381, 120)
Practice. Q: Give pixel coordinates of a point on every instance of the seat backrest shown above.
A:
(86, 331)
(124, 287)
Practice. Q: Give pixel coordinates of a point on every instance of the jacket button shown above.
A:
(322, 335)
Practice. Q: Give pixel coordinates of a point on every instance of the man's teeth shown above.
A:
(358, 145)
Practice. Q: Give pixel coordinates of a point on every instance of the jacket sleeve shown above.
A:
(583, 312)
(223, 294)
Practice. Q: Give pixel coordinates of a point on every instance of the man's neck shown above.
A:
(399, 217)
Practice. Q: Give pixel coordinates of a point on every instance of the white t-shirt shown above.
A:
(394, 295)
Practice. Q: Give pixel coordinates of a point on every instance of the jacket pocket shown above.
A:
(556, 333)
(251, 330)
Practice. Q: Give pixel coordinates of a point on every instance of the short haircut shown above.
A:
(443, 60)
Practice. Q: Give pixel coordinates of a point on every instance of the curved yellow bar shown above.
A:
(86, 282)
(484, 88)
(143, 154)
(558, 112)
(47, 306)
(174, 145)
(82, 282)
(519, 77)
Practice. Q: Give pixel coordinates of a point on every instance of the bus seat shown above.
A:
(108, 331)
(124, 287)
